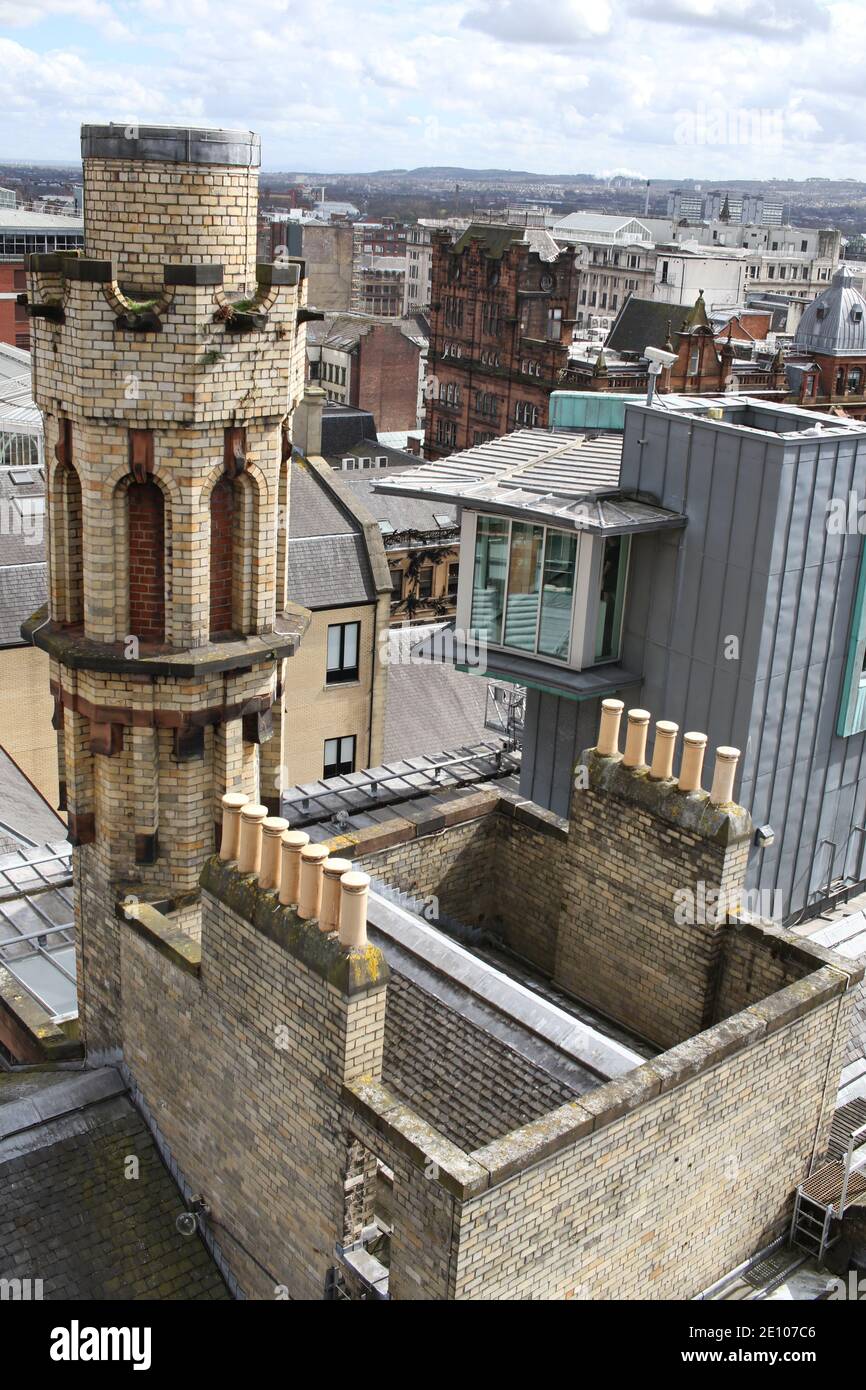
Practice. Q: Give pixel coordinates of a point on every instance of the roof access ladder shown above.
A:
(833, 1186)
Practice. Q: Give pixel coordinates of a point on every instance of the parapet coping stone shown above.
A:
(153, 926)
(691, 812)
(476, 805)
(352, 972)
(786, 945)
(171, 144)
(455, 1171)
(560, 1128)
(510, 999)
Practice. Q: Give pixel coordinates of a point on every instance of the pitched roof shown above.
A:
(402, 513)
(430, 705)
(70, 1217)
(327, 573)
(23, 589)
(643, 323)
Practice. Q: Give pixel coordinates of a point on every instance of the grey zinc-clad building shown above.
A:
(717, 581)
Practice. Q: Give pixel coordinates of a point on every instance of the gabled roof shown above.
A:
(335, 552)
(643, 323)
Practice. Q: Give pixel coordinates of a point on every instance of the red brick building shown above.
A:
(14, 323)
(375, 364)
(23, 231)
(501, 318)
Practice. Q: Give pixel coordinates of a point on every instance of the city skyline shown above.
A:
(484, 83)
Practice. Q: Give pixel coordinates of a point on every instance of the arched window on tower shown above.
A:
(222, 547)
(146, 561)
(68, 534)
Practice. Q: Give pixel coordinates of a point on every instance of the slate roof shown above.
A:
(327, 558)
(643, 323)
(430, 705)
(23, 589)
(328, 573)
(835, 323)
(344, 426)
(70, 1216)
(403, 513)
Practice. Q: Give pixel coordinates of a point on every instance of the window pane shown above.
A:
(557, 592)
(524, 584)
(350, 647)
(330, 751)
(347, 753)
(334, 648)
(614, 566)
(488, 580)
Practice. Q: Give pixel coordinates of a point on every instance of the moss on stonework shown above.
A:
(691, 812)
(351, 972)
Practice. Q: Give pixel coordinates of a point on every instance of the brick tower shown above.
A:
(167, 365)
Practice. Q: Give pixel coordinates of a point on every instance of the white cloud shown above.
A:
(560, 87)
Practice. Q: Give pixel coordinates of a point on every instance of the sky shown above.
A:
(668, 89)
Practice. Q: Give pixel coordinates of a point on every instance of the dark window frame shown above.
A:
(343, 674)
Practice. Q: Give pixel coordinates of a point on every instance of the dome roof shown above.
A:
(835, 323)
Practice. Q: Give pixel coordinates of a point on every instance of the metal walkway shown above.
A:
(834, 1186)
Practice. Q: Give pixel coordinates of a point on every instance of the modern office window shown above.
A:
(614, 572)
(339, 756)
(557, 594)
(852, 710)
(488, 579)
(343, 652)
(524, 585)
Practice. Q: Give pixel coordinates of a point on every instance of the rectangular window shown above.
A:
(343, 653)
(339, 756)
(453, 578)
(524, 585)
(557, 593)
(396, 584)
(425, 581)
(488, 580)
(614, 571)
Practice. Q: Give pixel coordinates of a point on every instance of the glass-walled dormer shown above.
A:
(541, 591)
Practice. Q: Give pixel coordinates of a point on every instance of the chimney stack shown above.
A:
(332, 872)
(663, 750)
(291, 844)
(691, 766)
(272, 830)
(354, 896)
(250, 854)
(635, 738)
(307, 422)
(608, 732)
(310, 888)
(723, 776)
(232, 804)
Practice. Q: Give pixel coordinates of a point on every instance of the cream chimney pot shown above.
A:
(663, 750)
(723, 775)
(354, 895)
(310, 887)
(694, 747)
(635, 738)
(272, 830)
(250, 855)
(232, 804)
(332, 872)
(608, 731)
(291, 844)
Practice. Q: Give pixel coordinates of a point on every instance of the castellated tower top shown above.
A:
(156, 194)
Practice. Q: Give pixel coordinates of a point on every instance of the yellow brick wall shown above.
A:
(26, 707)
(314, 711)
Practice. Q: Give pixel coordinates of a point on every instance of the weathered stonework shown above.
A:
(167, 372)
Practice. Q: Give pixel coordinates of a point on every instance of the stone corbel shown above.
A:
(141, 454)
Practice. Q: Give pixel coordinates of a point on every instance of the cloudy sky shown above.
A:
(654, 88)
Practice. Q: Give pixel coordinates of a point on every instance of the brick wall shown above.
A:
(385, 377)
(221, 556)
(468, 1084)
(242, 1060)
(625, 945)
(146, 562)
